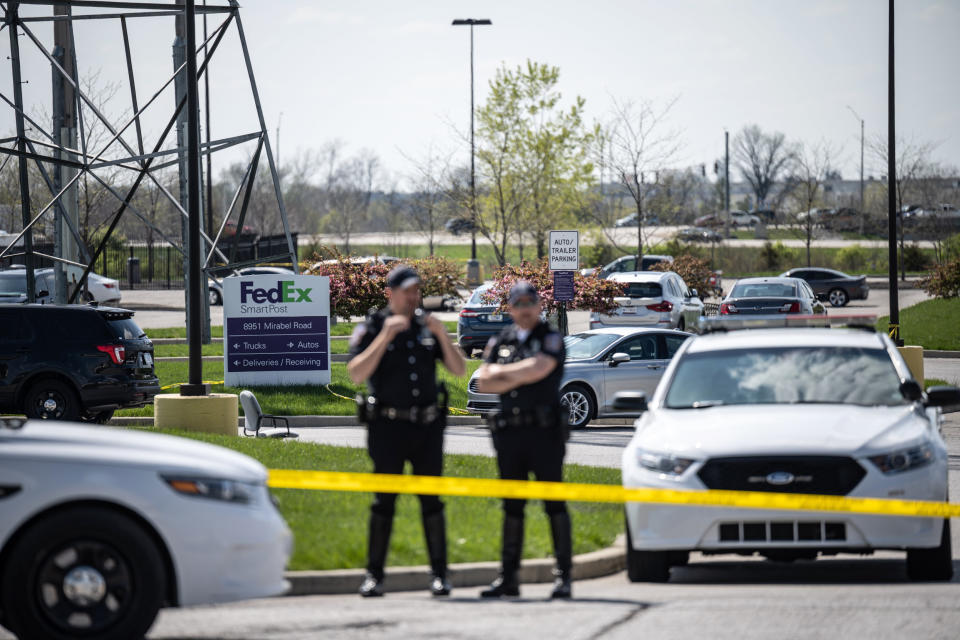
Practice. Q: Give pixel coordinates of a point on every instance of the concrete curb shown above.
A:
(603, 562)
(318, 422)
(934, 353)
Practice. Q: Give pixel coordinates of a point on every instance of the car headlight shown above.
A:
(663, 463)
(214, 488)
(904, 459)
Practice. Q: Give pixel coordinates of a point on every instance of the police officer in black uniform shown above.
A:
(524, 365)
(395, 351)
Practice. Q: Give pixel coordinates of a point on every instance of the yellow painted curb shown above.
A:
(215, 413)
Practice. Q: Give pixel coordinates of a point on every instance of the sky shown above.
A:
(393, 77)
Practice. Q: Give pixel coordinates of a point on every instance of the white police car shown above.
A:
(796, 410)
(101, 527)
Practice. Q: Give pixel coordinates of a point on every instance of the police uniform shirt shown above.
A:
(508, 347)
(407, 373)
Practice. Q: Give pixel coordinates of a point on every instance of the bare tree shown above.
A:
(811, 168)
(762, 159)
(428, 179)
(640, 149)
(348, 188)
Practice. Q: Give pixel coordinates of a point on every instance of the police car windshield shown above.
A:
(794, 375)
(583, 346)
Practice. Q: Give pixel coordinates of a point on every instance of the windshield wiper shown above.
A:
(701, 404)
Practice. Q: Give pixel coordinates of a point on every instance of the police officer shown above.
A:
(524, 365)
(395, 351)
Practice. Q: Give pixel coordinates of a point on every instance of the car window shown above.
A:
(643, 290)
(583, 346)
(13, 283)
(672, 343)
(787, 375)
(811, 275)
(626, 264)
(764, 290)
(643, 347)
(477, 297)
(125, 329)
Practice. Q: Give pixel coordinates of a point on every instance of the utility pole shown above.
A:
(726, 183)
(893, 327)
(473, 266)
(65, 129)
(862, 212)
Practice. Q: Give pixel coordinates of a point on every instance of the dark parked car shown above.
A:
(456, 226)
(479, 321)
(628, 263)
(73, 362)
(709, 220)
(835, 286)
(699, 234)
(771, 296)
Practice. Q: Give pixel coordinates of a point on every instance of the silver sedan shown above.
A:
(600, 363)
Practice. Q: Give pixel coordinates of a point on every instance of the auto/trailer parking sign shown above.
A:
(564, 250)
(276, 330)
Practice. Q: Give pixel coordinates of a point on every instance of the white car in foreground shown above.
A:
(101, 527)
(801, 410)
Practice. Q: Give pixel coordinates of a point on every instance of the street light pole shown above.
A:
(471, 22)
(893, 327)
(862, 212)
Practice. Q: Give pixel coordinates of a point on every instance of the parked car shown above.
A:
(652, 298)
(215, 286)
(599, 363)
(709, 220)
(456, 226)
(795, 410)
(699, 234)
(631, 220)
(99, 529)
(479, 320)
(628, 263)
(73, 362)
(743, 219)
(771, 296)
(13, 286)
(829, 284)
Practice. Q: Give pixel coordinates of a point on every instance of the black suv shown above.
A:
(73, 362)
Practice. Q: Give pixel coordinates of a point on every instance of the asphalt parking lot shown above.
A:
(720, 596)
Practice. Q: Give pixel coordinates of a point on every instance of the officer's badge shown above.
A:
(553, 342)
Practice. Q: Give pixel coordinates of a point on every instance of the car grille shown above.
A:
(472, 385)
(827, 475)
(483, 406)
(783, 531)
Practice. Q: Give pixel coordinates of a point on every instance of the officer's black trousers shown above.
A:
(390, 444)
(525, 450)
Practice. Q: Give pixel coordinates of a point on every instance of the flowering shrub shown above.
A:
(695, 271)
(589, 293)
(944, 280)
(440, 276)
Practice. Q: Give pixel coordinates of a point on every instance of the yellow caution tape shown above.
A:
(457, 410)
(493, 488)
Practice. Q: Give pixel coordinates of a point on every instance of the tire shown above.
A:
(838, 298)
(579, 404)
(682, 325)
(934, 564)
(647, 566)
(215, 297)
(124, 579)
(99, 417)
(51, 399)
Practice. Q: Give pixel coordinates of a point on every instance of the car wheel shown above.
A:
(578, 402)
(51, 400)
(97, 417)
(932, 564)
(82, 572)
(215, 298)
(646, 566)
(838, 298)
(682, 325)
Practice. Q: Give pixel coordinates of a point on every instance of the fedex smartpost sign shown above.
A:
(276, 330)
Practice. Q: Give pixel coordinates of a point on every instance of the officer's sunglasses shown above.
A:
(526, 303)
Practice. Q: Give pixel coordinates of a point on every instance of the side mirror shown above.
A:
(618, 358)
(43, 293)
(911, 390)
(943, 397)
(694, 294)
(632, 401)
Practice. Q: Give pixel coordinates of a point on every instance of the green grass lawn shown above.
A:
(932, 324)
(298, 400)
(330, 527)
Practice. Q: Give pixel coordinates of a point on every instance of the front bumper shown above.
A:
(482, 403)
(665, 526)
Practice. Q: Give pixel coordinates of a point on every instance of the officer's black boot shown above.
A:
(435, 531)
(506, 584)
(377, 544)
(563, 551)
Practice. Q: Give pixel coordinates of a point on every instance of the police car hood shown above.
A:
(780, 429)
(109, 446)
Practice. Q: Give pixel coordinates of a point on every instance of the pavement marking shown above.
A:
(578, 492)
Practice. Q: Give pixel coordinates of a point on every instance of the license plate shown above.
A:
(147, 359)
(495, 317)
(629, 311)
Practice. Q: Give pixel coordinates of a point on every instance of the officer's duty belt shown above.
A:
(418, 415)
(532, 418)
